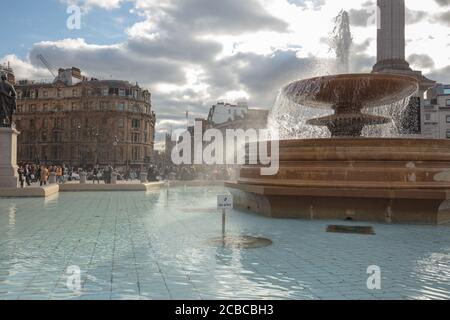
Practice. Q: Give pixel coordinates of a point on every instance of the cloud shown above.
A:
(308, 4)
(441, 75)
(443, 3)
(421, 61)
(106, 61)
(360, 18)
(225, 17)
(443, 18)
(415, 16)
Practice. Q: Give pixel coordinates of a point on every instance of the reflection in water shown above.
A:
(432, 269)
(12, 218)
(131, 245)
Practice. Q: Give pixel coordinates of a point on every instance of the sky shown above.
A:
(193, 53)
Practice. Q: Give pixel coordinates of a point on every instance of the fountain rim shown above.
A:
(412, 81)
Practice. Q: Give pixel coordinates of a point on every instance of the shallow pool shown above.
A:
(155, 246)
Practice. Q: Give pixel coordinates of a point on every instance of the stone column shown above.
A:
(114, 178)
(9, 177)
(143, 177)
(83, 176)
(52, 178)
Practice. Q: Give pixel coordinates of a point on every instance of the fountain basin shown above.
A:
(366, 179)
(348, 95)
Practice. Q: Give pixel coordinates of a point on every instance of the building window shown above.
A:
(45, 123)
(428, 116)
(59, 93)
(33, 108)
(448, 103)
(135, 137)
(74, 93)
(58, 124)
(121, 106)
(120, 123)
(74, 106)
(447, 91)
(105, 92)
(122, 92)
(447, 134)
(19, 108)
(45, 107)
(136, 123)
(45, 93)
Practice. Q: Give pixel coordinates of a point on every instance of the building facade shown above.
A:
(6, 69)
(436, 113)
(84, 122)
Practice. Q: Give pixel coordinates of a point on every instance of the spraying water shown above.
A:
(341, 41)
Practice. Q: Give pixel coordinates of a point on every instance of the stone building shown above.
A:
(224, 116)
(436, 119)
(82, 122)
(6, 69)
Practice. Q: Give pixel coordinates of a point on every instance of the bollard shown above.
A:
(52, 178)
(143, 178)
(83, 176)
(114, 178)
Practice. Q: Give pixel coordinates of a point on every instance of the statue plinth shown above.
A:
(8, 158)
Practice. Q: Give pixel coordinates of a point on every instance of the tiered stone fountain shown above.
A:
(347, 176)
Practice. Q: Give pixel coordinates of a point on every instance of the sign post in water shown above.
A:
(224, 202)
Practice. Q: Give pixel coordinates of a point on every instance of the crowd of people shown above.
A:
(40, 174)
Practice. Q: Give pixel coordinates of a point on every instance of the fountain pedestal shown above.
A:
(8, 158)
(363, 179)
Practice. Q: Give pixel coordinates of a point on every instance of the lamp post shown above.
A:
(79, 146)
(97, 134)
(115, 143)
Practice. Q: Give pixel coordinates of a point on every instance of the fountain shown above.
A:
(347, 176)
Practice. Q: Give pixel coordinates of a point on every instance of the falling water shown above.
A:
(396, 112)
(290, 119)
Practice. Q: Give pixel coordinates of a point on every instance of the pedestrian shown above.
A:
(21, 173)
(95, 174)
(44, 176)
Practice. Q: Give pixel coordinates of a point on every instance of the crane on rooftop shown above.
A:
(46, 64)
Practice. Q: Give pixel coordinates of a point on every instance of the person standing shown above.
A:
(21, 174)
(95, 174)
(27, 174)
(44, 175)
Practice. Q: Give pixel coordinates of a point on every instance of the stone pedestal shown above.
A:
(114, 178)
(143, 178)
(83, 176)
(8, 158)
(52, 178)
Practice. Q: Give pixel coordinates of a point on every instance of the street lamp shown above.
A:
(78, 138)
(115, 143)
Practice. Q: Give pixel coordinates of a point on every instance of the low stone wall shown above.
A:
(33, 192)
(72, 187)
(197, 183)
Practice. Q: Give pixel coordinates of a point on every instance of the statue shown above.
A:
(7, 102)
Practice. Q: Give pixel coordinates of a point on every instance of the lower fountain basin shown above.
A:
(367, 179)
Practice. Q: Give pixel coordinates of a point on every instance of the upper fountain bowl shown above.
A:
(351, 91)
